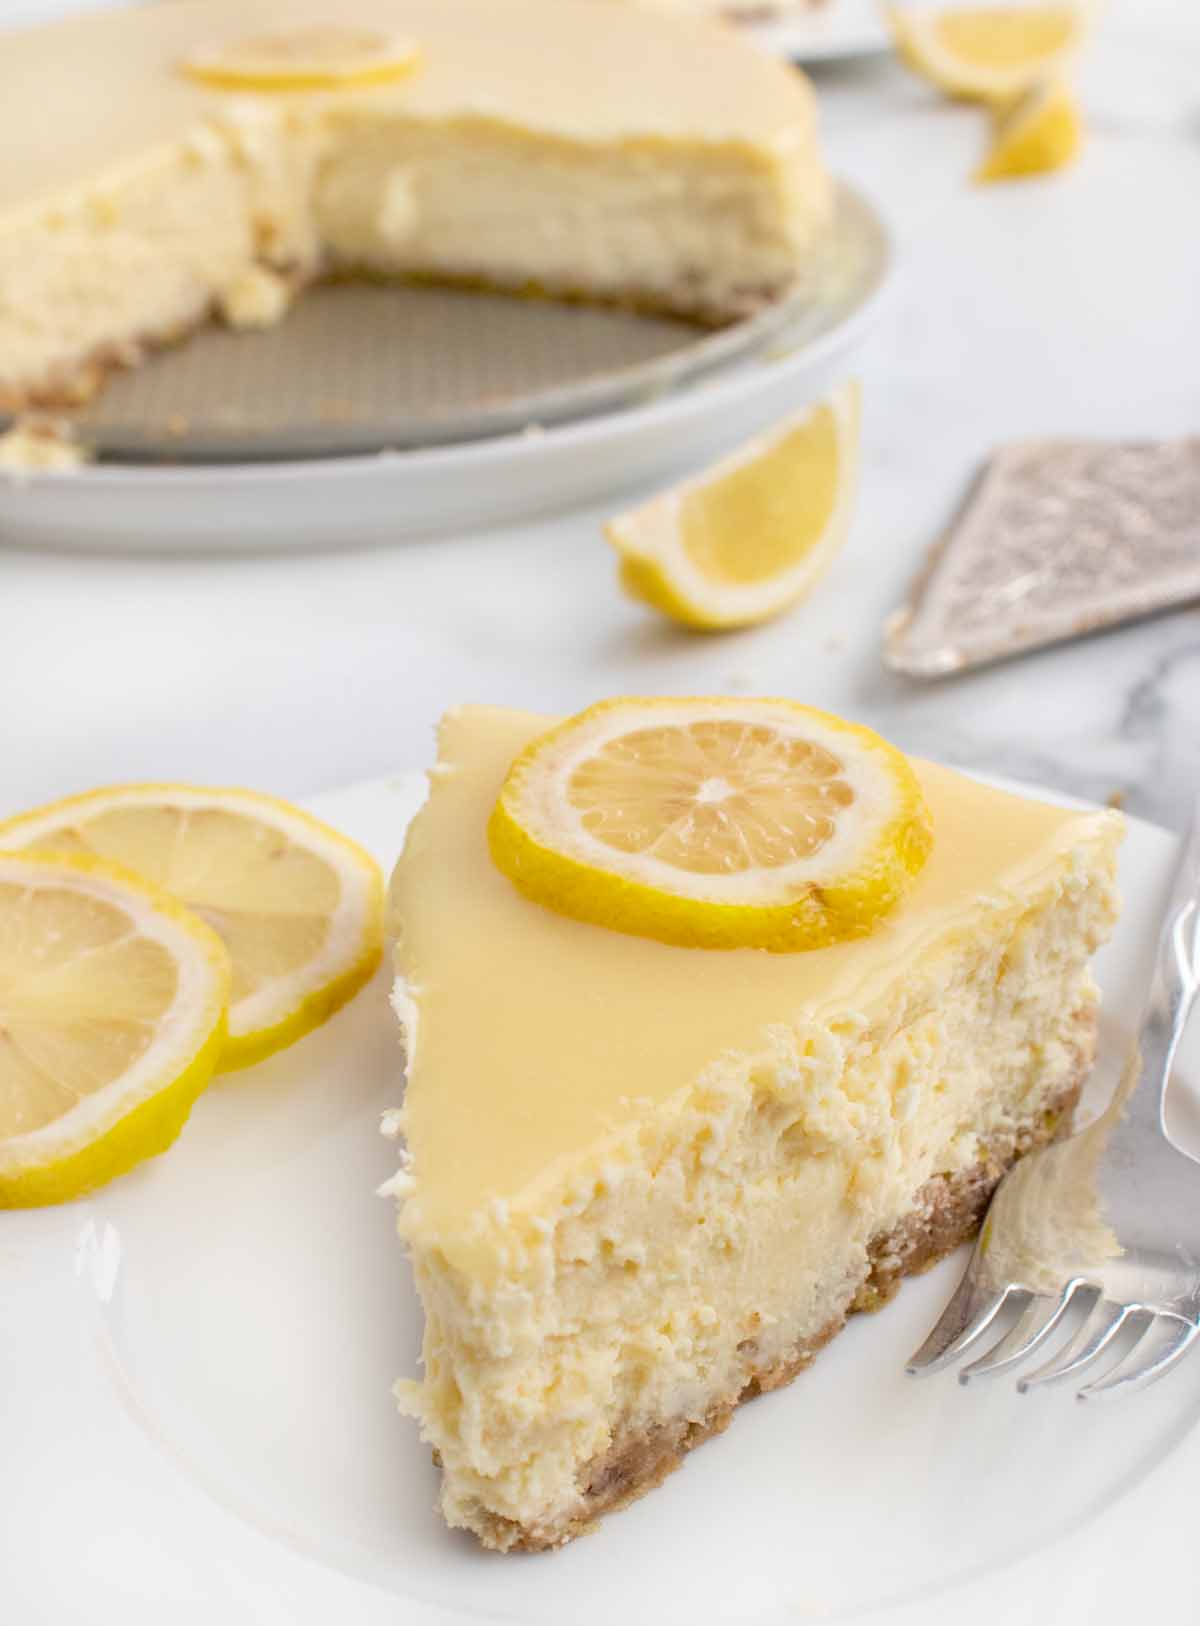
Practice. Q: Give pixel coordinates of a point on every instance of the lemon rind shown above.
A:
(245, 1050)
(213, 69)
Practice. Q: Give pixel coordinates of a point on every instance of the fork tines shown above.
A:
(1148, 1342)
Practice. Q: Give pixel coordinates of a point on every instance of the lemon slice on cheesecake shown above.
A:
(298, 906)
(713, 823)
(331, 56)
(749, 537)
(988, 53)
(112, 1019)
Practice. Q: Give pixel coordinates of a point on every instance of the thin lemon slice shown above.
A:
(299, 907)
(331, 56)
(112, 1017)
(749, 537)
(713, 823)
(988, 53)
(1043, 131)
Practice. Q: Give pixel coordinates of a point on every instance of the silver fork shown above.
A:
(1101, 1231)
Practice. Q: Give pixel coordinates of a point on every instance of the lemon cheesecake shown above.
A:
(165, 162)
(644, 1180)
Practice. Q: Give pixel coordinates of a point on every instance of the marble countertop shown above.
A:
(1066, 305)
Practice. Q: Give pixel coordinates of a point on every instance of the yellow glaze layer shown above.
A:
(532, 1037)
(91, 94)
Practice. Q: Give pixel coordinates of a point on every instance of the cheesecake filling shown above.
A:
(722, 1230)
(706, 227)
(713, 231)
(85, 284)
(91, 281)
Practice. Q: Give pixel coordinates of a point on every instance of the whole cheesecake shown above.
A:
(568, 147)
(644, 1183)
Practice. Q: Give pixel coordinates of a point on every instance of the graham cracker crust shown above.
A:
(684, 307)
(949, 1210)
(73, 384)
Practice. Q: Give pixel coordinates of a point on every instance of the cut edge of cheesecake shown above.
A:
(947, 1212)
(590, 1312)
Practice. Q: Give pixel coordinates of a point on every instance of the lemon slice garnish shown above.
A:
(112, 1018)
(988, 53)
(327, 57)
(713, 823)
(298, 906)
(749, 537)
(1041, 132)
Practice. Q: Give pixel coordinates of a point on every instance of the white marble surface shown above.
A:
(1065, 305)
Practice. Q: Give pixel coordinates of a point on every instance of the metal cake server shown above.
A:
(1100, 1232)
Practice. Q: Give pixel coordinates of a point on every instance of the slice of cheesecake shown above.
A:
(643, 1183)
(570, 147)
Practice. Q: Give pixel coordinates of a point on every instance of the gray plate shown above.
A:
(361, 368)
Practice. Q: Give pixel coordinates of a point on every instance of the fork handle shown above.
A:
(1176, 980)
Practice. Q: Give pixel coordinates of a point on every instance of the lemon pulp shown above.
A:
(746, 527)
(713, 823)
(298, 906)
(1041, 133)
(112, 1017)
(1006, 38)
(744, 540)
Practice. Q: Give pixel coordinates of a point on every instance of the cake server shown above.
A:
(1055, 540)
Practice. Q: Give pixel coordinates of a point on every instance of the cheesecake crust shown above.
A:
(76, 383)
(948, 1211)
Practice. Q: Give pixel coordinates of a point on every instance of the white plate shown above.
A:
(342, 502)
(195, 1374)
(834, 30)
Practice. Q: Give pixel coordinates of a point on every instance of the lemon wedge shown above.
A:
(749, 537)
(713, 823)
(988, 53)
(298, 906)
(1041, 132)
(112, 1018)
(332, 56)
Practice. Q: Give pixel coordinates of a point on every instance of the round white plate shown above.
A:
(353, 501)
(196, 1365)
(833, 30)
